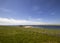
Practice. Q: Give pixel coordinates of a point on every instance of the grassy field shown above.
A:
(16, 34)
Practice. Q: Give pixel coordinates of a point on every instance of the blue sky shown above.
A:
(37, 11)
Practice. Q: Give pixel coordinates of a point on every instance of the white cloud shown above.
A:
(5, 10)
(53, 13)
(39, 12)
(7, 21)
(35, 8)
(34, 19)
(39, 19)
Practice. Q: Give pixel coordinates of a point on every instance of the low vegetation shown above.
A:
(16, 34)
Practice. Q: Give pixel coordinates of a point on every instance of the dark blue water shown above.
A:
(47, 26)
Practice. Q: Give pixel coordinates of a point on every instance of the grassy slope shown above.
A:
(11, 34)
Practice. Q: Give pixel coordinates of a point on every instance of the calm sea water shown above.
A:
(47, 26)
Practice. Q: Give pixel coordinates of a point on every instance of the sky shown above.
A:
(29, 12)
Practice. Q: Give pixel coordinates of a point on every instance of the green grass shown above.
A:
(15, 34)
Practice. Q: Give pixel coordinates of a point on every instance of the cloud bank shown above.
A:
(7, 21)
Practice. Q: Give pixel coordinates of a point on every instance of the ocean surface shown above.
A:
(46, 26)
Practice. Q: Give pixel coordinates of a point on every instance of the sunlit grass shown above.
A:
(16, 34)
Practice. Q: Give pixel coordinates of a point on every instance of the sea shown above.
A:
(47, 26)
